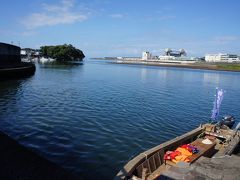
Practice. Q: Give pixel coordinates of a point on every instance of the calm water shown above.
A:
(92, 118)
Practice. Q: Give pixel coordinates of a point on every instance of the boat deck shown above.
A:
(209, 163)
(206, 150)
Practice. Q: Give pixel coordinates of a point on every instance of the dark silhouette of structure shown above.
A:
(11, 65)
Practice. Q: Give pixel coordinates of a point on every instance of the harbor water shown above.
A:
(92, 118)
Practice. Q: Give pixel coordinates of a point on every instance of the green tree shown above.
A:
(62, 52)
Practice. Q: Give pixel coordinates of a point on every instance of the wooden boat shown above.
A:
(151, 164)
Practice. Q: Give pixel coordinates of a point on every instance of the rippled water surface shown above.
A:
(92, 118)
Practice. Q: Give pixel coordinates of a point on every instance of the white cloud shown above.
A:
(61, 13)
(117, 16)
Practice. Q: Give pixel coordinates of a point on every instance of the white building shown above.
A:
(146, 55)
(23, 52)
(221, 58)
(166, 57)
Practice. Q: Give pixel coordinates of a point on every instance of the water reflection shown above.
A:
(11, 96)
(10, 88)
(143, 74)
(62, 65)
(163, 74)
(213, 78)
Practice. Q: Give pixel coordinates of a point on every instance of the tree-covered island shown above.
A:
(62, 52)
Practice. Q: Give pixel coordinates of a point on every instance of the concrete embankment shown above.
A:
(18, 163)
(191, 65)
(11, 65)
(17, 70)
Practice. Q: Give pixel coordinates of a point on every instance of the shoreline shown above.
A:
(206, 66)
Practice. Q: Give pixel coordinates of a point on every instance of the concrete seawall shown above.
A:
(17, 71)
(11, 65)
(9, 54)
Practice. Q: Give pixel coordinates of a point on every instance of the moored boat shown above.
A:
(199, 153)
(220, 141)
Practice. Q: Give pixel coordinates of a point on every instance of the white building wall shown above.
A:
(146, 55)
(221, 58)
(166, 58)
(23, 52)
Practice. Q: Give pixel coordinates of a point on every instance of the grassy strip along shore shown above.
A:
(230, 67)
(193, 65)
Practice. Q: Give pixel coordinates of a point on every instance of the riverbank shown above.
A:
(191, 65)
(18, 162)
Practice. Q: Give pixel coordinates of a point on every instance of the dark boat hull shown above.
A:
(20, 71)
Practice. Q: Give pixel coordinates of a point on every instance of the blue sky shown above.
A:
(124, 27)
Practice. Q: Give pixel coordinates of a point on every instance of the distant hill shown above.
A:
(62, 52)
